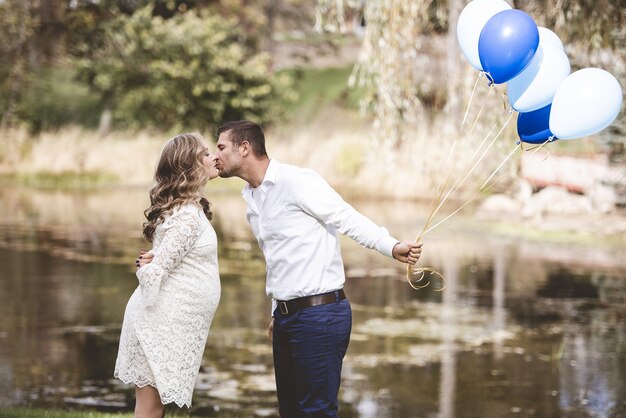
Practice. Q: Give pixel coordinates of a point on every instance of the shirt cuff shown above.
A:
(274, 306)
(385, 245)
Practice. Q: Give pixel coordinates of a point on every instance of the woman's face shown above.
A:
(208, 162)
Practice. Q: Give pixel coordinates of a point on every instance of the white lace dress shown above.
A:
(167, 318)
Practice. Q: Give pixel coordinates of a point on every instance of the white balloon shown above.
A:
(585, 103)
(471, 22)
(536, 86)
(546, 36)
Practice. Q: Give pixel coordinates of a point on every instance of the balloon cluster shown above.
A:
(507, 45)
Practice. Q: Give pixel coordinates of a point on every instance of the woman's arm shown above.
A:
(180, 234)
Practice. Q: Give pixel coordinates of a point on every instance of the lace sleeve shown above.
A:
(180, 233)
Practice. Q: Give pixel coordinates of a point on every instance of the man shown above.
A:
(295, 216)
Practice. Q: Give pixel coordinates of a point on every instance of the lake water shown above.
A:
(526, 327)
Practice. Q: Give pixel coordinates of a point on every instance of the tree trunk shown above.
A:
(271, 10)
(104, 127)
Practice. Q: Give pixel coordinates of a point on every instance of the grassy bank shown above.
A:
(25, 412)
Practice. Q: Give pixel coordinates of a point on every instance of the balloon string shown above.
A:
(480, 75)
(477, 149)
(444, 180)
(437, 198)
(538, 147)
(505, 100)
(421, 272)
(478, 116)
(489, 89)
(482, 108)
(481, 189)
(415, 275)
(462, 180)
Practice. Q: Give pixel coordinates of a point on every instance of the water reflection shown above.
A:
(524, 328)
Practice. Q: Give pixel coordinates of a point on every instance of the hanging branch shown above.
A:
(386, 62)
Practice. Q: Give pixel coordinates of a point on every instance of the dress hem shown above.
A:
(142, 384)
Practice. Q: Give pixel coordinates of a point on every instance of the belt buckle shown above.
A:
(283, 307)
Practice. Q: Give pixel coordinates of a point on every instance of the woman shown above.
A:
(167, 318)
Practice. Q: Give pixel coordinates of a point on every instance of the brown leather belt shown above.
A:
(290, 306)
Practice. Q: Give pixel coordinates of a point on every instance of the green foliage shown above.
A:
(55, 99)
(17, 30)
(317, 88)
(84, 21)
(192, 70)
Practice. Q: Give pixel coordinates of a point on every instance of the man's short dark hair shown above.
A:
(244, 130)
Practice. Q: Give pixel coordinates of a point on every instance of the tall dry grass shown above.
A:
(341, 146)
(125, 158)
(338, 143)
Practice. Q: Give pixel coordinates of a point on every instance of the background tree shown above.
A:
(192, 70)
(391, 62)
(44, 40)
(18, 28)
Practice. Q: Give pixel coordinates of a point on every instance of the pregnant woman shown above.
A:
(167, 319)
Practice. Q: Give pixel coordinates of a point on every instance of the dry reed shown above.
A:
(337, 143)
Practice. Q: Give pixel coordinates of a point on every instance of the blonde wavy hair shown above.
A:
(179, 178)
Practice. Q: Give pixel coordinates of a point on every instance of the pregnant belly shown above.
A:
(191, 289)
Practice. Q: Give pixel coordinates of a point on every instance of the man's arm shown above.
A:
(318, 199)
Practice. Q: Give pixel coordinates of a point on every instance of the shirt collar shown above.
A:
(271, 173)
(270, 177)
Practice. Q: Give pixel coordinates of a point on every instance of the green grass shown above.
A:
(314, 38)
(59, 180)
(25, 412)
(320, 87)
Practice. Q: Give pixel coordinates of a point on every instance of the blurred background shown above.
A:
(378, 98)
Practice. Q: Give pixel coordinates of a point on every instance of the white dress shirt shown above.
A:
(295, 216)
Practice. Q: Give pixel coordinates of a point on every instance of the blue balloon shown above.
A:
(507, 44)
(534, 127)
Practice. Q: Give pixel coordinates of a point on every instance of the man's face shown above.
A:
(228, 158)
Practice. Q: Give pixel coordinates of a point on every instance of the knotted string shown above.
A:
(538, 147)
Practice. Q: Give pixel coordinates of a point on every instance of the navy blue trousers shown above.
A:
(309, 346)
